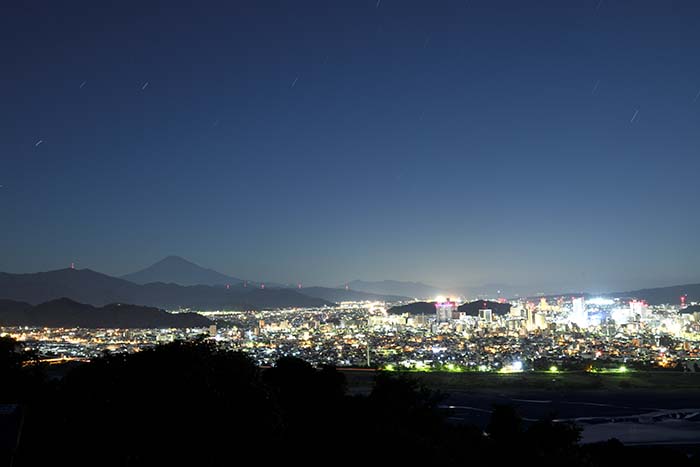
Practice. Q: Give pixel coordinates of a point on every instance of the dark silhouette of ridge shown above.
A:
(178, 270)
(64, 312)
(472, 308)
(415, 308)
(94, 288)
(661, 295)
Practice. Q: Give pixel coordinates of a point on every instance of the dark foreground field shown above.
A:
(488, 382)
(639, 408)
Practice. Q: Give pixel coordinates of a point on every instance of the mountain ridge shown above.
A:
(177, 270)
(64, 312)
(97, 289)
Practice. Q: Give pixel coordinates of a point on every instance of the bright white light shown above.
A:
(621, 315)
(514, 367)
(600, 301)
(595, 320)
(440, 298)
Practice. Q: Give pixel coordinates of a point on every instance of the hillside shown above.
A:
(94, 288)
(661, 295)
(177, 270)
(64, 312)
(472, 308)
(415, 308)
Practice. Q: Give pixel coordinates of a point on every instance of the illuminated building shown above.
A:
(540, 322)
(444, 310)
(486, 314)
(638, 309)
(579, 315)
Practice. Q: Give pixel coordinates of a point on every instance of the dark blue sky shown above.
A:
(547, 144)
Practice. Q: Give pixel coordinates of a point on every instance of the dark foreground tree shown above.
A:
(195, 403)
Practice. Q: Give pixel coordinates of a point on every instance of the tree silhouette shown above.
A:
(198, 403)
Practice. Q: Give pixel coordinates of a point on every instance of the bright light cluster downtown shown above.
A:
(598, 334)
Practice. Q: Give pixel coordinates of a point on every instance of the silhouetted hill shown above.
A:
(177, 270)
(12, 311)
(342, 295)
(65, 312)
(691, 309)
(653, 296)
(12, 306)
(661, 295)
(400, 288)
(94, 288)
(472, 308)
(555, 297)
(415, 308)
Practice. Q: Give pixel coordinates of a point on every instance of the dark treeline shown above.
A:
(195, 403)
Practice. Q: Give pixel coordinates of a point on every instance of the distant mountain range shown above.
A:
(400, 288)
(177, 270)
(653, 296)
(175, 283)
(661, 295)
(94, 288)
(64, 312)
(343, 295)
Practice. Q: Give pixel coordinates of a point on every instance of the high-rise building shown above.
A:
(579, 315)
(540, 321)
(638, 308)
(486, 314)
(444, 310)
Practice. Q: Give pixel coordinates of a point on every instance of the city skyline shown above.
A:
(541, 146)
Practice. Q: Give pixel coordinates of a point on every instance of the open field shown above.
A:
(635, 406)
(480, 382)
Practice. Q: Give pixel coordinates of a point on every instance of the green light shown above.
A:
(623, 369)
(553, 369)
(420, 366)
(389, 367)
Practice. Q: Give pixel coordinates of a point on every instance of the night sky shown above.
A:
(543, 144)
